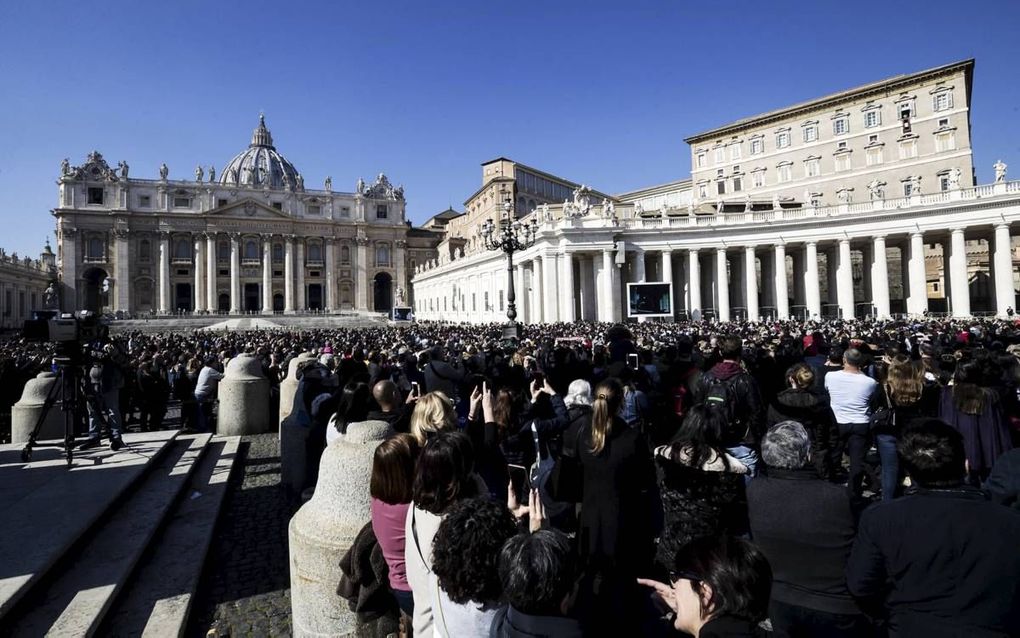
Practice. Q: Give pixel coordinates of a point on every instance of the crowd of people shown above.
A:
(822, 478)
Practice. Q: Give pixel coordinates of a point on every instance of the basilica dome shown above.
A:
(260, 165)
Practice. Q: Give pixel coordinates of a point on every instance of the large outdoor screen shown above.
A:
(402, 313)
(653, 299)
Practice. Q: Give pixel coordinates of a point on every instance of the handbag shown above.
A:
(884, 417)
(566, 480)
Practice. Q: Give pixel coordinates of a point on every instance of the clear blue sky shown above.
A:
(598, 92)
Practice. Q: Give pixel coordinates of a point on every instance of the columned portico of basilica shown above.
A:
(249, 239)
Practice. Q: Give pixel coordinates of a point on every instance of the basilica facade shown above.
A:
(251, 238)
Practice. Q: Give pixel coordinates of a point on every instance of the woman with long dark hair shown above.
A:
(354, 403)
(974, 411)
(701, 485)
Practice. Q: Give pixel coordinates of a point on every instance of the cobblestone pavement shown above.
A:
(245, 587)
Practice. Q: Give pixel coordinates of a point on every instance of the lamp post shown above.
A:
(510, 237)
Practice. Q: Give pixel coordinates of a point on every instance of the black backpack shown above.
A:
(719, 399)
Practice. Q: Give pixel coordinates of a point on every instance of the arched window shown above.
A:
(223, 251)
(382, 255)
(314, 251)
(251, 249)
(277, 252)
(345, 254)
(182, 249)
(144, 250)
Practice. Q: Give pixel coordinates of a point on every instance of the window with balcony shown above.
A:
(95, 195)
(95, 249)
(182, 250)
(382, 255)
(251, 250)
(314, 252)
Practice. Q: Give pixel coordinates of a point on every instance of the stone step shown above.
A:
(73, 601)
(47, 507)
(157, 600)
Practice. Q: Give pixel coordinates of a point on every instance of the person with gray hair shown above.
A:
(850, 392)
(578, 393)
(786, 446)
(805, 526)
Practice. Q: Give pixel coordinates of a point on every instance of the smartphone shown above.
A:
(520, 479)
(632, 360)
(415, 389)
(538, 378)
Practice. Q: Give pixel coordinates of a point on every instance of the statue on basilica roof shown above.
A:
(163, 171)
(123, 169)
(199, 173)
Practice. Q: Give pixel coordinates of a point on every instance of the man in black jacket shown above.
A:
(727, 382)
(805, 527)
(942, 560)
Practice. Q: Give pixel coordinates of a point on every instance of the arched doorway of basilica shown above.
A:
(252, 303)
(182, 297)
(94, 297)
(383, 296)
(223, 302)
(277, 302)
(315, 296)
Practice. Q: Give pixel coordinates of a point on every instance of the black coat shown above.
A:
(510, 623)
(729, 627)
(1004, 481)
(365, 585)
(805, 526)
(941, 562)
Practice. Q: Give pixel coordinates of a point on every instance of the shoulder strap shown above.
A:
(417, 544)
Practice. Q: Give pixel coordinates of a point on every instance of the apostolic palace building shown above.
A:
(251, 238)
(865, 202)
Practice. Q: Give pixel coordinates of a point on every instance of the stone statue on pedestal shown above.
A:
(360, 186)
(65, 166)
(329, 183)
(50, 296)
(199, 174)
(747, 204)
(163, 171)
(776, 204)
(1000, 171)
(875, 189)
(212, 173)
(123, 169)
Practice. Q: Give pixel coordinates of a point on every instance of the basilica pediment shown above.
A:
(247, 209)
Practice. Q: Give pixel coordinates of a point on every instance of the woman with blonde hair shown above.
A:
(433, 413)
(615, 535)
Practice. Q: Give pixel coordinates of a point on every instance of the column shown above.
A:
(361, 282)
(267, 274)
(667, 276)
(329, 245)
(606, 294)
(199, 294)
(722, 286)
(68, 269)
(300, 302)
(567, 312)
(812, 287)
(782, 290)
(537, 285)
(211, 267)
(845, 280)
(288, 275)
(798, 283)
(831, 268)
(917, 290)
(401, 280)
(638, 267)
(750, 284)
(880, 277)
(1002, 259)
(960, 288)
(694, 284)
(520, 294)
(235, 273)
(588, 297)
(164, 272)
(122, 271)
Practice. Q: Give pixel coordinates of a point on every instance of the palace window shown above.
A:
(945, 141)
(144, 250)
(908, 188)
(700, 160)
(221, 202)
(942, 101)
(345, 254)
(872, 118)
(278, 205)
(735, 151)
(182, 202)
(382, 211)
(783, 139)
(720, 187)
(812, 168)
(842, 162)
(95, 248)
(784, 173)
(314, 209)
(277, 253)
(345, 211)
(758, 179)
(905, 109)
(908, 149)
(757, 146)
(182, 249)
(702, 190)
(873, 156)
(251, 250)
(95, 195)
(810, 133)
(841, 126)
(943, 181)
(738, 184)
(315, 252)
(382, 255)
(223, 251)
(720, 155)
(144, 201)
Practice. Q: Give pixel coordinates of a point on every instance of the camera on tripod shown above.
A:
(82, 326)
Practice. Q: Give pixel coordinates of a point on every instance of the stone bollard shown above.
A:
(244, 398)
(324, 529)
(293, 434)
(288, 387)
(26, 411)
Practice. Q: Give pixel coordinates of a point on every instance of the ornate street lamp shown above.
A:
(510, 236)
